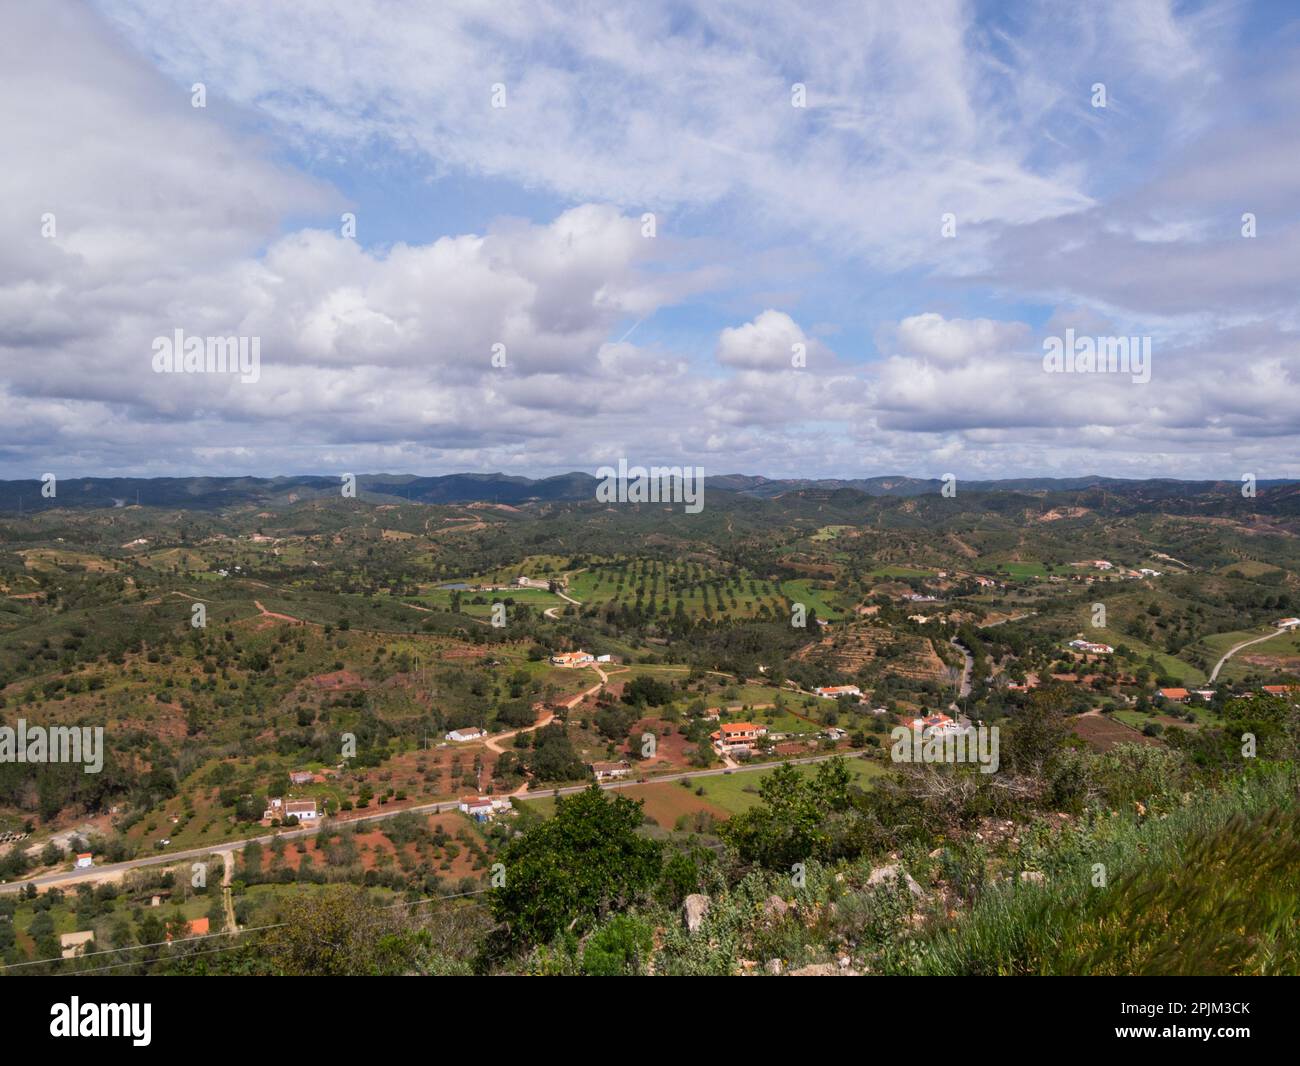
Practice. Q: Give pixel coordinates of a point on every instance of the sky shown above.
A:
(753, 238)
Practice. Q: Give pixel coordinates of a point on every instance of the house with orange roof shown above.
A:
(197, 927)
(1176, 695)
(937, 724)
(572, 659)
(738, 737)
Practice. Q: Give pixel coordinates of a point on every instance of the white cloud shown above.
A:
(935, 338)
(379, 358)
(772, 341)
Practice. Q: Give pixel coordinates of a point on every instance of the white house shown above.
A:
(609, 771)
(572, 658)
(460, 736)
(1287, 623)
(303, 810)
(85, 860)
(481, 808)
(834, 692)
(936, 725)
(278, 807)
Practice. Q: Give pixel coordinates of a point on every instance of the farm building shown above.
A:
(481, 808)
(609, 771)
(460, 736)
(572, 658)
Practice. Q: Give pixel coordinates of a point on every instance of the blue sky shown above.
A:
(777, 227)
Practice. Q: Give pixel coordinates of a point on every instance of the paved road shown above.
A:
(1244, 644)
(114, 870)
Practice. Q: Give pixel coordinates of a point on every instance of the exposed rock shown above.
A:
(773, 967)
(1036, 877)
(886, 874)
(845, 962)
(694, 910)
(822, 969)
(775, 907)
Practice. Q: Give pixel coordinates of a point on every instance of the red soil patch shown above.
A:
(375, 850)
(469, 652)
(670, 750)
(1102, 733)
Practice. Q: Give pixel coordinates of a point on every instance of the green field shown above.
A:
(823, 601)
(734, 792)
(700, 590)
(440, 599)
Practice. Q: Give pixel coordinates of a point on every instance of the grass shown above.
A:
(1210, 890)
(823, 601)
(725, 594)
(734, 792)
(1022, 571)
(738, 791)
(440, 600)
(899, 571)
(1187, 674)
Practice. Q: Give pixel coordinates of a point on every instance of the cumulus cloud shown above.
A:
(380, 357)
(934, 338)
(772, 341)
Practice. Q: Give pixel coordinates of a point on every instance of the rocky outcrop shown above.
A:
(694, 910)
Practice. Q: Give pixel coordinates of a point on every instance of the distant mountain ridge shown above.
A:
(210, 493)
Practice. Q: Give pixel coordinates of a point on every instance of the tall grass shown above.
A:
(1213, 888)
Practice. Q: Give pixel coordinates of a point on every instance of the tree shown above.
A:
(802, 816)
(567, 873)
(341, 932)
